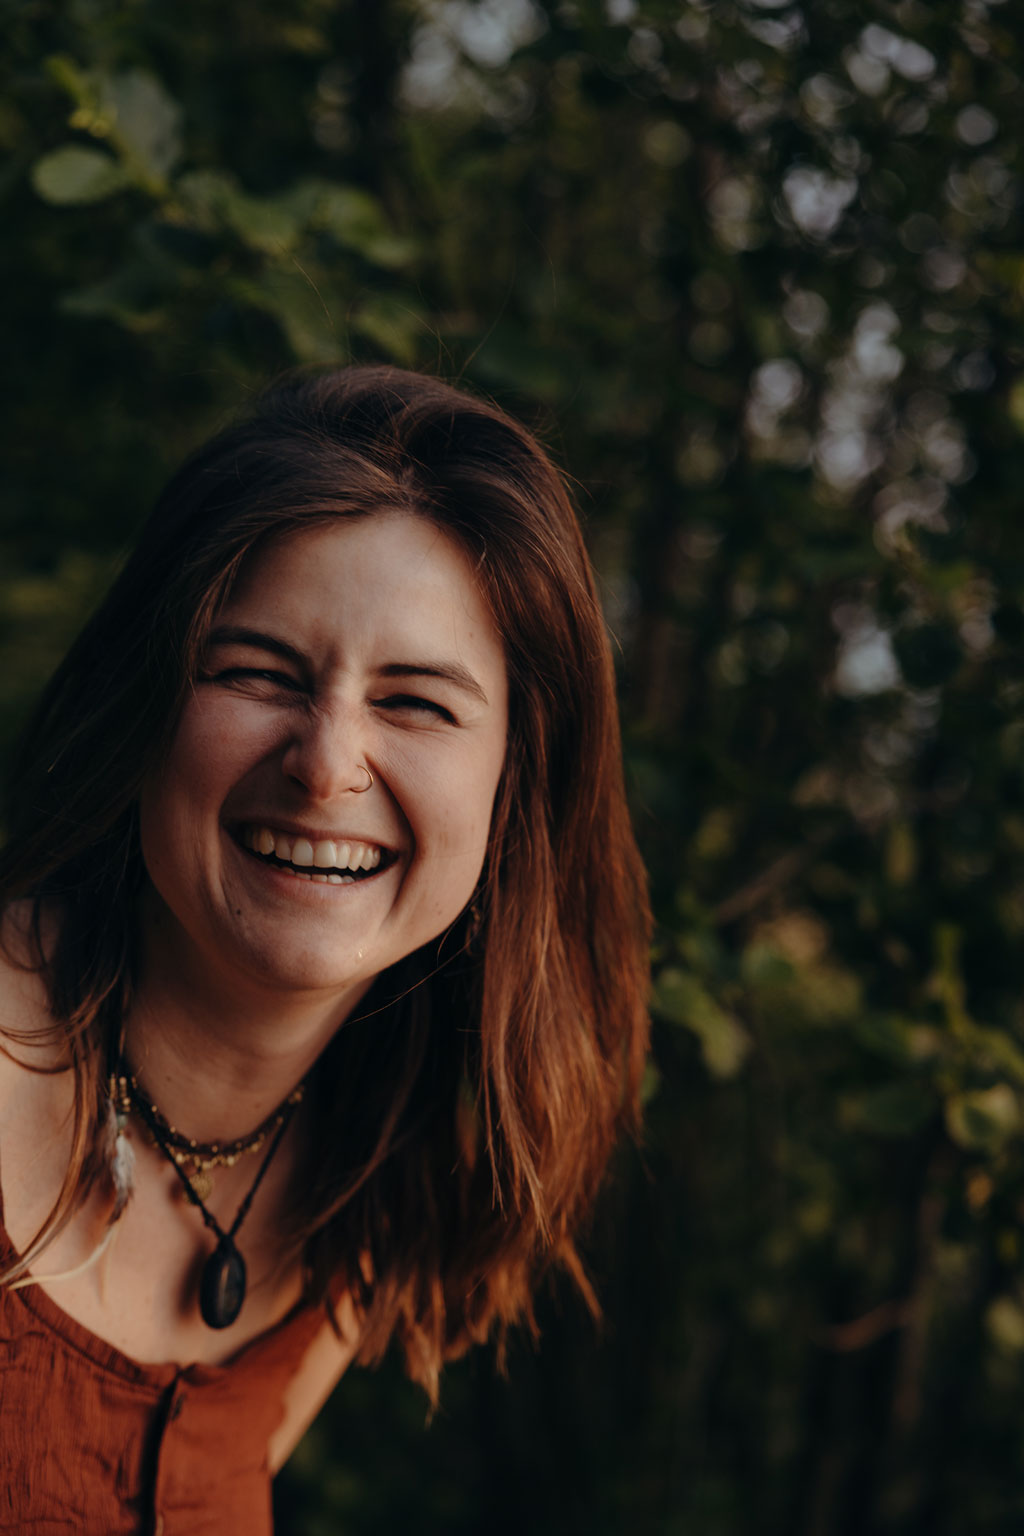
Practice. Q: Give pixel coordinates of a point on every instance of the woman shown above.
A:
(324, 952)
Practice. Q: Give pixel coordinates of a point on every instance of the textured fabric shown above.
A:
(93, 1441)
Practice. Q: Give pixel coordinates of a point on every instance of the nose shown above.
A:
(326, 757)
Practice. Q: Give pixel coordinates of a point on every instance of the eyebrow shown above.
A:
(445, 671)
(237, 634)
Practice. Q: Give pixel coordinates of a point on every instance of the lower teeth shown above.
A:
(301, 874)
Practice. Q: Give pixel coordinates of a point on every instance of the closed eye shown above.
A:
(415, 703)
(254, 676)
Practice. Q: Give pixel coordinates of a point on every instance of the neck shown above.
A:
(218, 1055)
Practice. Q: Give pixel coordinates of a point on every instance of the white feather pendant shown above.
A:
(120, 1155)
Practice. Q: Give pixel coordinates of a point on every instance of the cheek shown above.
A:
(188, 782)
(450, 803)
(469, 831)
(211, 752)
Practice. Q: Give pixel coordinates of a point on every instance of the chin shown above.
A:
(301, 968)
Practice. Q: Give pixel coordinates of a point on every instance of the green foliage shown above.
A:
(681, 999)
(76, 174)
(757, 272)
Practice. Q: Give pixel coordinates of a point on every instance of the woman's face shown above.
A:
(361, 647)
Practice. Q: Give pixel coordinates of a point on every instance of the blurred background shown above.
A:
(755, 271)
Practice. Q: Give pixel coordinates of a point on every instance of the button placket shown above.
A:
(165, 1454)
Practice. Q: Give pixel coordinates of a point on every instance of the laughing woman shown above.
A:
(323, 953)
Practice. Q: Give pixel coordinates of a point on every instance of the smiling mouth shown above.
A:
(323, 860)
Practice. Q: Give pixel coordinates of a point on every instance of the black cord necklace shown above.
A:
(222, 1283)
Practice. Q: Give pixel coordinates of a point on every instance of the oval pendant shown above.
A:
(222, 1285)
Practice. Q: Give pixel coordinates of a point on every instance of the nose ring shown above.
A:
(365, 787)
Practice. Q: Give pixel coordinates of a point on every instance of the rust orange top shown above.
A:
(91, 1440)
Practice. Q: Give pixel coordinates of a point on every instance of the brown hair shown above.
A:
(479, 1108)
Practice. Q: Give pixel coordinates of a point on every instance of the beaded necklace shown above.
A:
(223, 1278)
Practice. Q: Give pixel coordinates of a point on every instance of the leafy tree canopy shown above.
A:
(756, 270)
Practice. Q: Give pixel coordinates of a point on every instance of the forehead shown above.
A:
(392, 576)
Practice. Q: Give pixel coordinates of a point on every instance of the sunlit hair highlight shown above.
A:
(484, 1081)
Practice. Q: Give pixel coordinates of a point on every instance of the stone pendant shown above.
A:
(222, 1285)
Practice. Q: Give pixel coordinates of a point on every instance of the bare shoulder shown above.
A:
(26, 1040)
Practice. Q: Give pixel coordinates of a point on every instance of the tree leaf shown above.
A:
(204, 195)
(213, 200)
(898, 1108)
(76, 174)
(357, 221)
(271, 225)
(885, 1034)
(510, 356)
(348, 210)
(724, 1042)
(147, 120)
(983, 1120)
(301, 310)
(392, 324)
(129, 297)
(1004, 1323)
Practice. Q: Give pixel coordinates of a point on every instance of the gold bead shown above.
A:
(201, 1183)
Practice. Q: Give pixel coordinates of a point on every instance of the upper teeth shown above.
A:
(322, 854)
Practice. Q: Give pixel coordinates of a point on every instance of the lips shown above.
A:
(325, 860)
